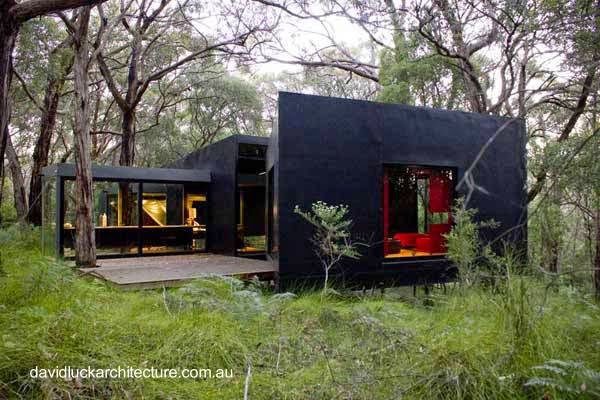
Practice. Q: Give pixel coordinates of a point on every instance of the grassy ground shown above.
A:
(471, 344)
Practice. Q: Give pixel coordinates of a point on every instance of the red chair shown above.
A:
(424, 244)
(406, 239)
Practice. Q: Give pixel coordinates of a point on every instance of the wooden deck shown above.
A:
(150, 272)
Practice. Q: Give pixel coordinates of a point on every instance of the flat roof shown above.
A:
(251, 139)
(117, 173)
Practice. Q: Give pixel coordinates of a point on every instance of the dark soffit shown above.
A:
(117, 173)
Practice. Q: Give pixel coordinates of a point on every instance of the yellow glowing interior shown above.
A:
(156, 209)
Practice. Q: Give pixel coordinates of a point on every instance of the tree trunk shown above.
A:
(128, 138)
(597, 256)
(1, 189)
(9, 28)
(12, 15)
(55, 82)
(85, 246)
(551, 233)
(126, 159)
(18, 182)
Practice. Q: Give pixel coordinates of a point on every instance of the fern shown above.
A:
(567, 377)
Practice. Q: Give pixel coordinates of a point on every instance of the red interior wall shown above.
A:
(439, 193)
(386, 212)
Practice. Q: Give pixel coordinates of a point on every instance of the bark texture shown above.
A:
(12, 15)
(18, 181)
(54, 85)
(597, 257)
(85, 246)
(9, 28)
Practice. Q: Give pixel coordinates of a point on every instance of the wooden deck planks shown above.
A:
(169, 270)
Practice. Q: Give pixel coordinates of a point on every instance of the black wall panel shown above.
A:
(334, 150)
(220, 159)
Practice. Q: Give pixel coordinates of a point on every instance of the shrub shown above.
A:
(331, 239)
(465, 247)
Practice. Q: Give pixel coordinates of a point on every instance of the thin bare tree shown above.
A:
(85, 244)
(12, 15)
(147, 30)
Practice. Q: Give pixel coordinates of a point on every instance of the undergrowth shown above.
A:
(461, 344)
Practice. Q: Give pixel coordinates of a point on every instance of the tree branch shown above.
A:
(29, 9)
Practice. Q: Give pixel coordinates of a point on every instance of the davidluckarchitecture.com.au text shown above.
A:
(70, 373)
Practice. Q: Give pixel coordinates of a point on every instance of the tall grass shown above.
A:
(465, 344)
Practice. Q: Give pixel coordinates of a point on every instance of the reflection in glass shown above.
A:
(115, 217)
(49, 215)
(196, 216)
(162, 219)
(251, 237)
(70, 204)
(114, 214)
(169, 219)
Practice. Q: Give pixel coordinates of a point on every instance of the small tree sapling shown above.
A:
(331, 239)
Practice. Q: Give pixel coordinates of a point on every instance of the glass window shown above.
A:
(115, 204)
(114, 214)
(162, 204)
(196, 216)
(49, 215)
(251, 237)
(272, 213)
(70, 209)
(116, 217)
(167, 220)
(416, 210)
(163, 225)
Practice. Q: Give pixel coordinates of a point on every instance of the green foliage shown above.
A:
(562, 220)
(8, 212)
(412, 73)
(217, 105)
(465, 247)
(567, 378)
(331, 239)
(302, 346)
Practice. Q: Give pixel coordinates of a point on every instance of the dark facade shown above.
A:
(337, 150)
(398, 168)
(237, 166)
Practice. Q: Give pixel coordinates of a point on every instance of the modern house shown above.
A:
(398, 168)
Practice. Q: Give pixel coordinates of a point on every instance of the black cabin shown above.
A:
(398, 168)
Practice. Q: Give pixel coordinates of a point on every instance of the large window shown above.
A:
(114, 215)
(416, 210)
(162, 219)
(251, 236)
(196, 216)
(171, 218)
(251, 217)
